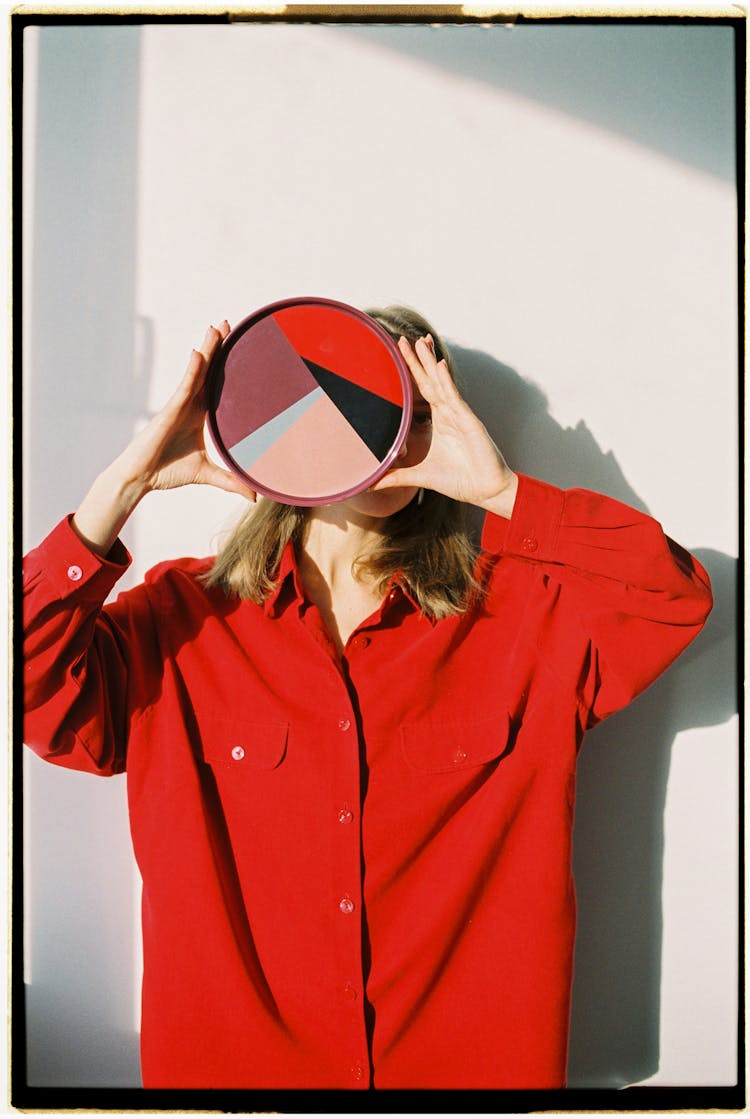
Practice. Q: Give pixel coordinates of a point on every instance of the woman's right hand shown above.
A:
(169, 452)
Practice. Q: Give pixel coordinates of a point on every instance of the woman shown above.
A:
(351, 745)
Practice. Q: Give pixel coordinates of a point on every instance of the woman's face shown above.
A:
(384, 503)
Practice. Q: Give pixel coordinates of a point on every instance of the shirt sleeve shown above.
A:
(83, 665)
(640, 597)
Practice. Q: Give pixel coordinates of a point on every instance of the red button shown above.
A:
(344, 724)
(350, 992)
(74, 572)
(345, 816)
(460, 756)
(358, 1071)
(529, 543)
(362, 641)
(238, 753)
(346, 905)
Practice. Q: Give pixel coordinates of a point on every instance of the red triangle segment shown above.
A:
(345, 344)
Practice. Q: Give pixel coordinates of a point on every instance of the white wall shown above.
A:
(560, 202)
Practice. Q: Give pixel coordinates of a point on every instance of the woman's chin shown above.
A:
(382, 503)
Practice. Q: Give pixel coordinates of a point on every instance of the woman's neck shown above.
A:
(331, 543)
(334, 538)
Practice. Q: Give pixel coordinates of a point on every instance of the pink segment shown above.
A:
(318, 456)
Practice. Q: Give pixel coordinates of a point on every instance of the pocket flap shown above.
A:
(246, 746)
(444, 747)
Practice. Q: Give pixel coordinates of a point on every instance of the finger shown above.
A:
(192, 379)
(441, 377)
(420, 352)
(416, 368)
(426, 352)
(438, 370)
(211, 341)
(198, 364)
(436, 384)
(441, 383)
(444, 380)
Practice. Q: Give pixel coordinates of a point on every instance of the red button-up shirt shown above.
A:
(357, 870)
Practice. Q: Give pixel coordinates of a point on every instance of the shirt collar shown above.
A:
(400, 589)
(289, 587)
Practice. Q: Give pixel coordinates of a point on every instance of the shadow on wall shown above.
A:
(624, 764)
(75, 1045)
(83, 396)
(670, 88)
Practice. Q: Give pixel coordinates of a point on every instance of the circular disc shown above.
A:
(309, 401)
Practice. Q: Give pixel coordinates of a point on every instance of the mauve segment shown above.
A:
(262, 377)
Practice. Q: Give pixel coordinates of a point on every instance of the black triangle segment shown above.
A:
(375, 420)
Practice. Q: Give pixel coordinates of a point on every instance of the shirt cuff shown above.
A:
(533, 528)
(70, 566)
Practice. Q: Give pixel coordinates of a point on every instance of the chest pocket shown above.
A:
(244, 747)
(449, 747)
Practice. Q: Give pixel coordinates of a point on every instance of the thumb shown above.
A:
(399, 476)
(212, 475)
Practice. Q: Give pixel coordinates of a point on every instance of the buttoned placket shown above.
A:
(360, 646)
(345, 817)
(346, 862)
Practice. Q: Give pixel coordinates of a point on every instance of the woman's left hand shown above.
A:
(461, 461)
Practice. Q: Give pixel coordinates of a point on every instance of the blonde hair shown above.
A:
(426, 546)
